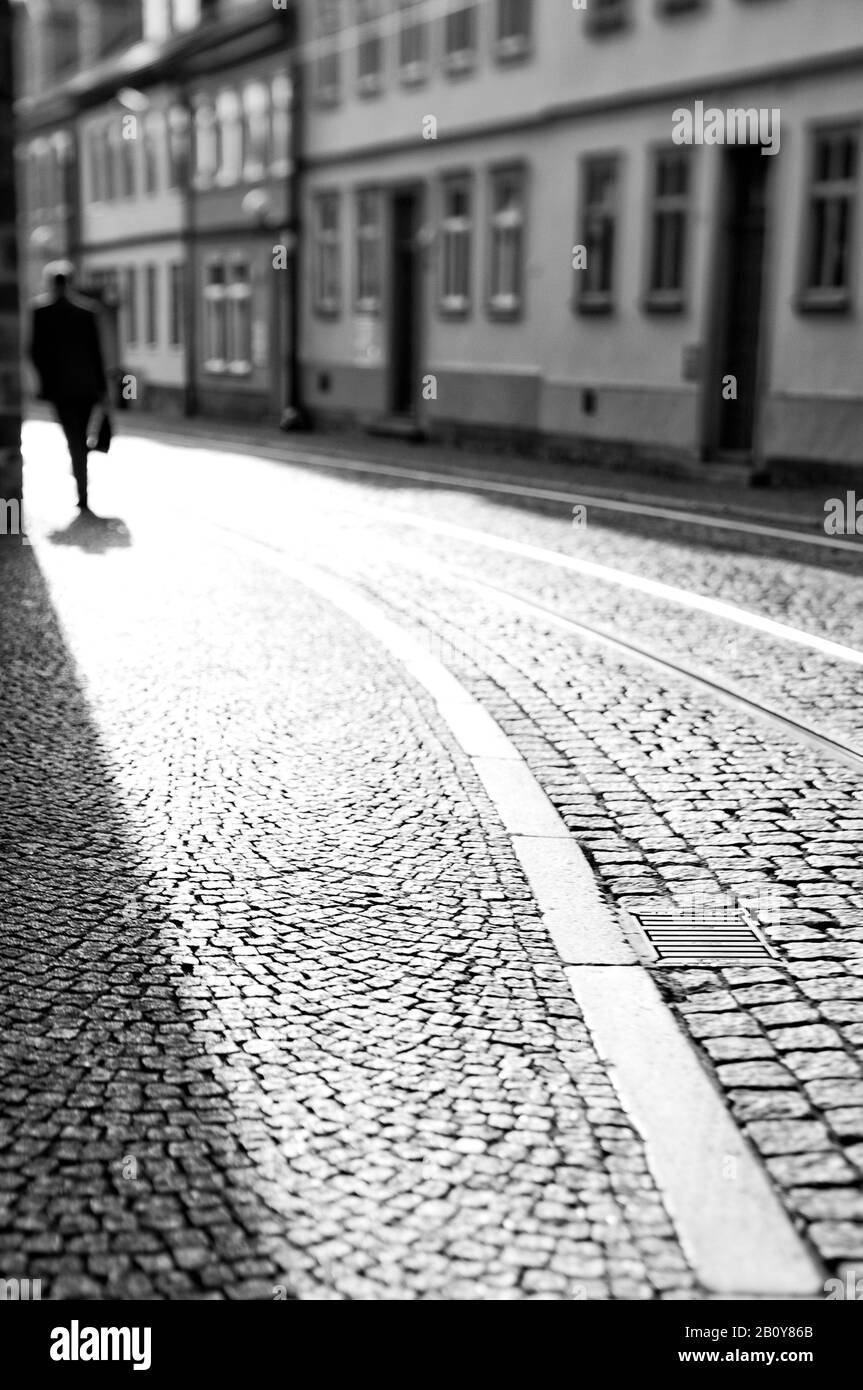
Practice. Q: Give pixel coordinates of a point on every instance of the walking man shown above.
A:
(67, 355)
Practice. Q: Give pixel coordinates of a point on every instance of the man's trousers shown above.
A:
(74, 415)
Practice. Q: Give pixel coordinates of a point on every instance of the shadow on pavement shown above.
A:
(122, 1168)
(95, 534)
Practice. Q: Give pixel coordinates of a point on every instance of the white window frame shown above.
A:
(815, 297)
(238, 295)
(658, 297)
(327, 264)
(215, 302)
(456, 229)
(229, 124)
(281, 124)
(258, 128)
(369, 250)
(507, 233)
(206, 142)
(588, 298)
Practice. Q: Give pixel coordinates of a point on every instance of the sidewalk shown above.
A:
(801, 508)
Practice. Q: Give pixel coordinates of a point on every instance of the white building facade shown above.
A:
(501, 236)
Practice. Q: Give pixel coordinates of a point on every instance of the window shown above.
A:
(120, 26)
(150, 144)
(460, 37)
(178, 146)
(102, 285)
(607, 16)
(281, 133)
(151, 282)
(513, 36)
(215, 319)
(831, 220)
(63, 51)
(256, 115)
(124, 149)
(130, 305)
(370, 50)
(229, 128)
(413, 42)
(176, 307)
(39, 193)
(239, 326)
(228, 317)
(328, 57)
(598, 235)
(669, 224)
(109, 187)
(673, 7)
(206, 142)
(327, 254)
(96, 159)
(455, 249)
(63, 151)
(506, 270)
(162, 18)
(368, 296)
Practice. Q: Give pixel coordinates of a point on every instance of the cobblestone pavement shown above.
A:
(281, 1009)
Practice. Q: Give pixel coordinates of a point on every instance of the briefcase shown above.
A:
(99, 432)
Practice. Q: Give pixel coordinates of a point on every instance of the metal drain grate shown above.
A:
(682, 938)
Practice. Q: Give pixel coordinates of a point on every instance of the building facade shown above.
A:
(176, 164)
(615, 229)
(503, 236)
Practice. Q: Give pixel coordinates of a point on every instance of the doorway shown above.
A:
(404, 289)
(740, 305)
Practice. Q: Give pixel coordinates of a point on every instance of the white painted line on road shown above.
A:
(522, 805)
(581, 926)
(725, 1205)
(638, 583)
(728, 1218)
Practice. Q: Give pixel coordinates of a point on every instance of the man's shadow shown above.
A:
(95, 534)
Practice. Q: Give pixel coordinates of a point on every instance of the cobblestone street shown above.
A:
(283, 1017)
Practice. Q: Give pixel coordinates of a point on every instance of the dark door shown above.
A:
(404, 356)
(745, 235)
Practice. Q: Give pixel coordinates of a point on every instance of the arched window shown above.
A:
(256, 113)
(178, 147)
(280, 149)
(206, 142)
(229, 121)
